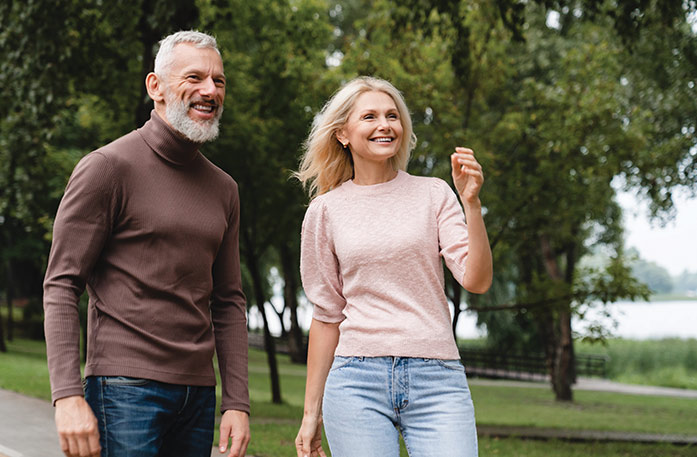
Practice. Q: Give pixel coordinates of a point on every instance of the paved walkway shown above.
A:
(594, 384)
(27, 428)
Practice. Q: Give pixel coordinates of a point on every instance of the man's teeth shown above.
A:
(203, 107)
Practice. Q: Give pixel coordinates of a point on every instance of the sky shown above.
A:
(673, 246)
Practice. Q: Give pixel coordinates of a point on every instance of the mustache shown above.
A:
(204, 101)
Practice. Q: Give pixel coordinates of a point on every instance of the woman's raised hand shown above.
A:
(467, 175)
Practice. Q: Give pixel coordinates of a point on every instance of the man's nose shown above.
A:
(207, 87)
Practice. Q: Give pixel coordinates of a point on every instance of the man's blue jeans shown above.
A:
(368, 401)
(144, 418)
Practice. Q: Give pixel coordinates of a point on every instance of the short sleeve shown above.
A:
(453, 239)
(319, 266)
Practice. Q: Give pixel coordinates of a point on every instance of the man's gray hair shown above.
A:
(164, 57)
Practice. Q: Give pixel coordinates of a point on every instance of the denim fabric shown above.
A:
(144, 418)
(368, 401)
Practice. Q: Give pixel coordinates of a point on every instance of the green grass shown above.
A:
(528, 448)
(274, 426)
(519, 406)
(24, 368)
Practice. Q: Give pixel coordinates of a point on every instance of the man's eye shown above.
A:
(219, 82)
(193, 78)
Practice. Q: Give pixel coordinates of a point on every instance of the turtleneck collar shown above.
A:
(167, 142)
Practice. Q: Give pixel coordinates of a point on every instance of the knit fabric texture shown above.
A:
(150, 227)
(371, 259)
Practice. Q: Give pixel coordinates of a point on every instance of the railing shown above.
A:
(529, 367)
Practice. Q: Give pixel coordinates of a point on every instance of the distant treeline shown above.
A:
(660, 281)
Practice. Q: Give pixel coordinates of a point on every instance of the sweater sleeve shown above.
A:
(452, 230)
(228, 313)
(319, 266)
(82, 225)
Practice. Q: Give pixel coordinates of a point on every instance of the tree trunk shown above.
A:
(296, 345)
(456, 298)
(279, 314)
(9, 296)
(270, 347)
(563, 364)
(148, 37)
(269, 344)
(3, 346)
(9, 231)
(561, 352)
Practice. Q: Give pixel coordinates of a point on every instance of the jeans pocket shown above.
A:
(124, 381)
(340, 362)
(454, 364)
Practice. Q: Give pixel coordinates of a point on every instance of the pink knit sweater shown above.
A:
(371, 259)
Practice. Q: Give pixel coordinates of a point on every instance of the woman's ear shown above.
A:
(154, 86)
(341, 136)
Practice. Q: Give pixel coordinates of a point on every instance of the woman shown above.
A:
(382, 359)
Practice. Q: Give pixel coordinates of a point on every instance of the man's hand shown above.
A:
(234, 425)
(77, 427)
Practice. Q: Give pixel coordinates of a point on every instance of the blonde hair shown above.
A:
(325, 163)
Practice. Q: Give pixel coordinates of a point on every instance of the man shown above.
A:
(150, 226)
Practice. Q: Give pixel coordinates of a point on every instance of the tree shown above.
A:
(653, 275)
(32, 67)
(558, 113)
(576, 118)
(59, 58)
(274, 59)
(686, 283)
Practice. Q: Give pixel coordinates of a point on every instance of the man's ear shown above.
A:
(154, 86)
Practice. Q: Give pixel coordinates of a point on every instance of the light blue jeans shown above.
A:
(368, 401)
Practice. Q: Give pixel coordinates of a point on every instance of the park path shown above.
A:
(27, 428)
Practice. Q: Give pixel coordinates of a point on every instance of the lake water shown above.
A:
(636, 320)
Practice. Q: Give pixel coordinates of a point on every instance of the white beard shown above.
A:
(177, 112)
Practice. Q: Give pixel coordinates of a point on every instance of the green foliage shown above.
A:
(274, 55)
(667, 362)
(72, 80)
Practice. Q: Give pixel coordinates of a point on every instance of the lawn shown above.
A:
(274, 426)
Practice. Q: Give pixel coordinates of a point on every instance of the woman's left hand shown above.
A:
(467, 174)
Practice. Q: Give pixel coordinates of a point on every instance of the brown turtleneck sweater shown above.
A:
(150, 226)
